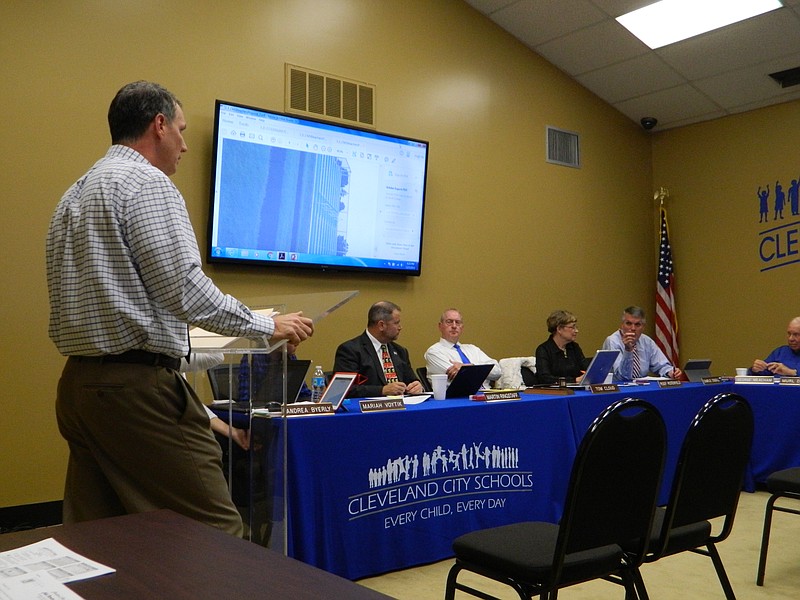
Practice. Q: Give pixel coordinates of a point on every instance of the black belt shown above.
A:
(137, 357)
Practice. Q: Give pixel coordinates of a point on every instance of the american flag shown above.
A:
(666, 317)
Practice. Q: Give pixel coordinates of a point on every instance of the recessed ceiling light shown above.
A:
(670, 21)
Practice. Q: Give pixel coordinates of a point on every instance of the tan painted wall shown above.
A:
(508, 237)
(730, 309)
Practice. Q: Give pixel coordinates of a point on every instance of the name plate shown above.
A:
(755, 379)
(707, 380)
(668, 383)
(790, 381)
(553, 391)
(303, 410)
(498, 396)
(604, 388)
(368, 406)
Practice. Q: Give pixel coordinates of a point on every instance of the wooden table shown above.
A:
(162, 554)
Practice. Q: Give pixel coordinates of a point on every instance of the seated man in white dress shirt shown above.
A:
(448, 355)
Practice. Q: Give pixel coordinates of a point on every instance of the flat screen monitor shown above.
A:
(288, 191)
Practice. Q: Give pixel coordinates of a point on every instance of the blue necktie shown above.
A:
(463, 356)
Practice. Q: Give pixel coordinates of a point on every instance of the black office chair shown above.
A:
(781, 484)
(707, 483)
(528, 376)
(422, 374)
(611, 497)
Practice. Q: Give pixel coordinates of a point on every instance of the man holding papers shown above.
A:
(124, 277)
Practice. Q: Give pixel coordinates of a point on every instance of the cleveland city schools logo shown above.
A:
(779, 212)
(441, 482)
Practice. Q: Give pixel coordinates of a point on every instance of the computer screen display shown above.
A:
(288, 191)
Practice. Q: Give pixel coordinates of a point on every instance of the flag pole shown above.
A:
(666, 320)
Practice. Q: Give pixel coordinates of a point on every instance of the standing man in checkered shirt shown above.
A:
(124, 278)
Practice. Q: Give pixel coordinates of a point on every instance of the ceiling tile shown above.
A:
(592, 48)
(745, 107)
(489, 6)
(668, 105)
(616, 8)
(536, 21)
(742, 44)
(631, 78)
(749, 85)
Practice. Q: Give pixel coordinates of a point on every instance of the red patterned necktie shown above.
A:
(388, 365)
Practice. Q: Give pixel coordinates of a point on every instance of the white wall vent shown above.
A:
(329, 97)
(563, 147)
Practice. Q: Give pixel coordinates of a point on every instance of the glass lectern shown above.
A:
(248, 383)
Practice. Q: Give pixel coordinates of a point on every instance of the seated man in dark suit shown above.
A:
(383, 366)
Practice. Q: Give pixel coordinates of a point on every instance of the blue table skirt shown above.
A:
(776, 443)
(776, 413)
(678, 406)
(369, 493)
(378, 492)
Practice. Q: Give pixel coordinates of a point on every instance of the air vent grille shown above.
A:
(334, 98)
(563, 147)
(787, 78)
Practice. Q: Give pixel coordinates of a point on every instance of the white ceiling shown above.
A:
(718, 73)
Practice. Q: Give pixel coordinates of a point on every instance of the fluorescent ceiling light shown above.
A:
(670, 21)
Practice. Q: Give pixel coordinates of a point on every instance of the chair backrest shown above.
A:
(528, 376)
(224, 381)
(422, 374)
(615, 479)
(517, 371)
(711, 466)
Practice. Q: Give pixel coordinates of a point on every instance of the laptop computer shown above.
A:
(697, 368)
(468, 380)
(598, 369)
(224, 381)
(269, 391)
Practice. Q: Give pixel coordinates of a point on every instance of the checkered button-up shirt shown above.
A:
(124, 270)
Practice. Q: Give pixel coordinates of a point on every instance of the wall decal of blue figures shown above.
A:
(779, 245)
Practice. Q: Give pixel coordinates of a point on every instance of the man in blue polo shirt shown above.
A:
(784, 360)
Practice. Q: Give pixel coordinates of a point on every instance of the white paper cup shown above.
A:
(439, 385)
(741, 372)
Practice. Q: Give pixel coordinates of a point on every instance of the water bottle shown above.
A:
(317, 384)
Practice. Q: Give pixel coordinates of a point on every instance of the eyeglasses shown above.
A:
(571, 326)
(453, 322)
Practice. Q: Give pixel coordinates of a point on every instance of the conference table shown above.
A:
(375, 492)
(162, 554)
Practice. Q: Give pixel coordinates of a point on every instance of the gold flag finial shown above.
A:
(661, 195)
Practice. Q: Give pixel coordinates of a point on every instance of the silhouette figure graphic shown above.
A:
(793, 196)
(780, 198)
(763, 196)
